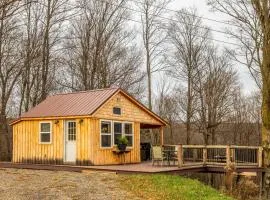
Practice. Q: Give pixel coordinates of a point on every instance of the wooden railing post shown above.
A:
(260, 155)
(205, 155)
(180, 155)
(228, 156)
(161, 132)
(233, 155)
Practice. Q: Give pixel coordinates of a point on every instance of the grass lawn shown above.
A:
(170, 187)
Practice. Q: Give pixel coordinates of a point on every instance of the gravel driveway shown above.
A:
(41, 184)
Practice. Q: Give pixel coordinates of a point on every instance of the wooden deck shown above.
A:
(191, 158)
(140, 168)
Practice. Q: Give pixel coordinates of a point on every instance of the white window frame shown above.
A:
(45, 122)
(111, 134)
(113, 129)
(123, 129)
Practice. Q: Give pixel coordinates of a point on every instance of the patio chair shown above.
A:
(157, 155)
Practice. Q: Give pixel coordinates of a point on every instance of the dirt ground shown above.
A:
(40, 184)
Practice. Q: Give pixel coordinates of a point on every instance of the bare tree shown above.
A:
(260, 10)
(42, 22)
(54, 15)
(215, 86)
(152, 29)
(245, 117)
(12, 5)
(101, 52)
(166, 105)
(244, 27)
(9, 68)
(31, 51)
(189, 41)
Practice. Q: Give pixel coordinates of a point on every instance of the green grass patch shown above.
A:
(157, 187)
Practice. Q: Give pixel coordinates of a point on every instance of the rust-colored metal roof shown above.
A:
(71, 104)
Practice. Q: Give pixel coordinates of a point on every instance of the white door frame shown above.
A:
(65, 123)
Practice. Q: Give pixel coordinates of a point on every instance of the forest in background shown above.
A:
(53, 46)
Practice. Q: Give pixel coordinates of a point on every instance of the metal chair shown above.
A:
(157, 155)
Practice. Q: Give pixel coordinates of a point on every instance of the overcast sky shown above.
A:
(204, 11)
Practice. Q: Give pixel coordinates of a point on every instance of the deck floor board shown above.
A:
(144, 167)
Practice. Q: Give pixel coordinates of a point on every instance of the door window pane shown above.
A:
(71, 131)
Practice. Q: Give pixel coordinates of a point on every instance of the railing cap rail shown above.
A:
(194, 146)
(244, 147)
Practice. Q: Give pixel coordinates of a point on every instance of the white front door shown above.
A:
(70, 141)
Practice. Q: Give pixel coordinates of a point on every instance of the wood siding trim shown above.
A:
(50, 118)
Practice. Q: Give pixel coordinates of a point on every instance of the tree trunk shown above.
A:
(149, 77)
(5, 150)
(266, 96)
(266, 122)
(189, 109)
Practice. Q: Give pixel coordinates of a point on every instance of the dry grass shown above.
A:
(39, 184)
(19, 184)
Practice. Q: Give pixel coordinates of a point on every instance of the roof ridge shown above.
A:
(86, 91)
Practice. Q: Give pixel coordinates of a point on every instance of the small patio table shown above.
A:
(169, 155)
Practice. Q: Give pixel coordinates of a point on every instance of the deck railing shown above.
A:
(241, 156)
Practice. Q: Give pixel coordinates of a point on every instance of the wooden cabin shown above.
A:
(81, 128)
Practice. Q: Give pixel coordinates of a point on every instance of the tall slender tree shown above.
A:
(189, 40)
(9, 66)
(254, 14)
(152, 33)
(101, 51)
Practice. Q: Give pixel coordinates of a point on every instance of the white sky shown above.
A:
(204, 11)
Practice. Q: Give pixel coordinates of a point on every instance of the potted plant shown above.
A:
(122, 143)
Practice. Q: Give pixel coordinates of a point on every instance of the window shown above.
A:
(71, 131)
(45, 132)
(129, 133)
(116, 111)
(117, 129)
(106, 134)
